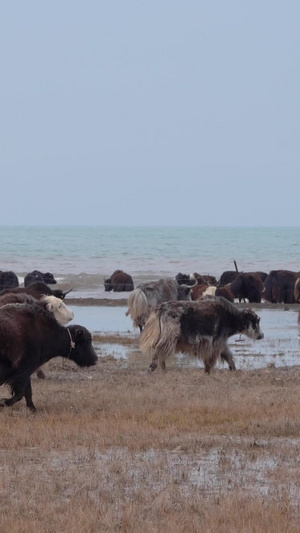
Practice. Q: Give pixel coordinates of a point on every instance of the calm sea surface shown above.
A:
(83, 256)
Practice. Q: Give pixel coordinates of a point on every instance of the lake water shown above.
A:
(81, 257)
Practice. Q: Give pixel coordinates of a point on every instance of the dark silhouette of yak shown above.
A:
(29, 337)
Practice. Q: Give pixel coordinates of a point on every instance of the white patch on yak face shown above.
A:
(253, 331)
(60, 310)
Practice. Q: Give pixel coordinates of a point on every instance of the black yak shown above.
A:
(280, 286)
(29, 337)
(36, 275)
(247, 286)
(119, 282)
(8, 280)
(200, 329)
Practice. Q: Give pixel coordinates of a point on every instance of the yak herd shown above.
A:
(193, 314)
(278, 286)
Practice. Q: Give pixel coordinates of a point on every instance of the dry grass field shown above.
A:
(116, 448)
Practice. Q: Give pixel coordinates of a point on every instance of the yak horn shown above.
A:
(67, 292)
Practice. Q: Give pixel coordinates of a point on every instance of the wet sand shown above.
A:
(122, 302)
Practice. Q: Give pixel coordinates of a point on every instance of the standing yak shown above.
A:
(119, 282)
(148, 295)
(280, 286)
(247, 286)
(200, 329)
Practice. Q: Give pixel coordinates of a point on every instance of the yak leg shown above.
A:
(207, 367)
(153, 365)
(19, 390)
(18, 393)
(226, 355)
(157, 361)
(28, 396)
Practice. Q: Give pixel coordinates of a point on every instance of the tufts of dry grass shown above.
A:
(116, 448)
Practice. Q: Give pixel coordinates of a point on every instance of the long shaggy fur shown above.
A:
(147, 296)
(161, 338)
(200, 329)
(138, 308)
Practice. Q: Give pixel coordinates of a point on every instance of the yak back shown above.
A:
(36, 275)
(164, 290)
(214, 317)
(25, 327)
(37, 290)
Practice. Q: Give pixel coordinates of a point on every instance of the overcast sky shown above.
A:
(150, 113)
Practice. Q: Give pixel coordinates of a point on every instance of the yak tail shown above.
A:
(160, 336)
(151, 334)
(138, 307)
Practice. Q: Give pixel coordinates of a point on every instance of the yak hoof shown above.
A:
(31, 407)
(153, 367)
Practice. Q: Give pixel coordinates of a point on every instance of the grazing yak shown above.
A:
(37, 289)
(36, 275)
(189, 279)
(280, 286)
(200, 291)
(119, 282)
(200, 329)
(8, 280)
(29, 337)
(148, 295)
(247, 286)
(225, 292)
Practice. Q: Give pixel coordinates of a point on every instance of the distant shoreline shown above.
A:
(122, 302)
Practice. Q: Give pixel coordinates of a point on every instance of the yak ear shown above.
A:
(78, 334)
(50, 307)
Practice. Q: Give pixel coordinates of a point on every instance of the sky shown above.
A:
(139, 113)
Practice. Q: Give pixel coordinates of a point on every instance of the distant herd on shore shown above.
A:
(277, 286)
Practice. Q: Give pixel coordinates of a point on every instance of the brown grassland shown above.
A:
(116, 448)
